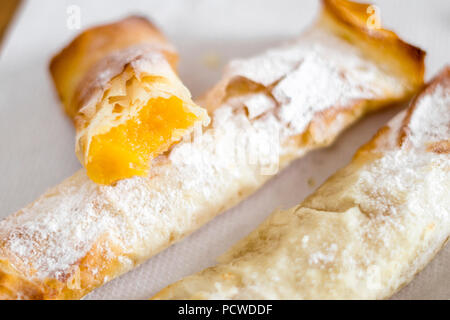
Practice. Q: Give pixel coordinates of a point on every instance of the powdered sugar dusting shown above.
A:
(314, 73)
(398, 176)
(408, 186)
(320, 257)
(205, 174)
(430, 122)
(58, 229)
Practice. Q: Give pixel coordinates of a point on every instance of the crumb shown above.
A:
(311, 182)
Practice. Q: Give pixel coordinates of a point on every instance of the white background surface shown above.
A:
(37, 139)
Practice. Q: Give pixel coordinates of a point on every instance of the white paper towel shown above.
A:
(37, 139)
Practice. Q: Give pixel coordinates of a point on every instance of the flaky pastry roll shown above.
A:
(266, 111)
(117, 82)
(363, 234)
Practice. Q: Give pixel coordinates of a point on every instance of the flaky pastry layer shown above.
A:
(267, 111)
(363, 234)
(105, 78)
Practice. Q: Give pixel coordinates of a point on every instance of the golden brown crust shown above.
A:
(351, 21)
(100, 262)
(13, 286)
(348, 20)
(73, 64)
(123, 65)
(81, 278)
(287, 256)
(443, 78)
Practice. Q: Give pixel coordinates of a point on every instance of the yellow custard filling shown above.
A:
(126, 150)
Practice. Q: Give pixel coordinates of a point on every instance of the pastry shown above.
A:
(265, 112)
(117, 82)
(364, 233)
